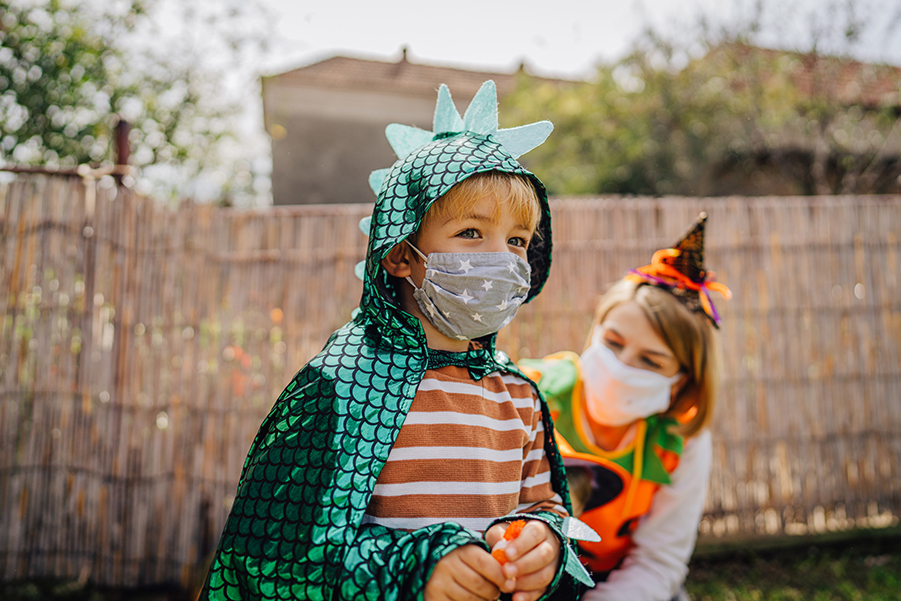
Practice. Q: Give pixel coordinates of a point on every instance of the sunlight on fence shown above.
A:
(141, 347)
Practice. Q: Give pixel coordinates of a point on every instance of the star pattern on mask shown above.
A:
(431, 309)
(465, 266)
(512, 268)
(486, 285)
(461, 337)
(466, 296)
(503, 305)
(477, 317)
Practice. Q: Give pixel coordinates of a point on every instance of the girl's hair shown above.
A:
(514, 193)
(688, 334)
(579, 479)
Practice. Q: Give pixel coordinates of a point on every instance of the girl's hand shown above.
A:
(468, 573)
(532, 559)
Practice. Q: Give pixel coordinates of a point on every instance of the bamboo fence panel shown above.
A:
(141, 346)
(807, 432)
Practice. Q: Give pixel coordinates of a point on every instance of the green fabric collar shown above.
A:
(559, 377)
(479, 361)
(658, 435)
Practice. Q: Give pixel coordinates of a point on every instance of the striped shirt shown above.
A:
(468, 452)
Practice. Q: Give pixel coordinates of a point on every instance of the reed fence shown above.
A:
(141, 346)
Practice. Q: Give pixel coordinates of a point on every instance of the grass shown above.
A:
(859, 566)
(864, 568)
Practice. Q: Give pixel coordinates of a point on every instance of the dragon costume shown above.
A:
(294, 531)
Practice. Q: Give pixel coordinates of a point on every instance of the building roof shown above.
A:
(403, 76)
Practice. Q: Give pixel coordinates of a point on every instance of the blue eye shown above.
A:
(521, 242)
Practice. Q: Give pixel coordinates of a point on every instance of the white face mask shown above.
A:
(617, 394)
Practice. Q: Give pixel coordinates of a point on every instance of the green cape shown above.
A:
(294, 531)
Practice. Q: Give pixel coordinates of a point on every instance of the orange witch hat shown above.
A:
(681, 271)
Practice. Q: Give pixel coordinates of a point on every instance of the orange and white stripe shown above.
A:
(468, 452)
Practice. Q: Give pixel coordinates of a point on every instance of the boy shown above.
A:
(408, 436)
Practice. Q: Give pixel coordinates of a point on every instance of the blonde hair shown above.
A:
(513, 192)
(579, 479)
(688, 334)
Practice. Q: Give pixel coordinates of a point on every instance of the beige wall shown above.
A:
(325, 143)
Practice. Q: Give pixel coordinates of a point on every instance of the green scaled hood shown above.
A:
(295, 529)
(429, 164)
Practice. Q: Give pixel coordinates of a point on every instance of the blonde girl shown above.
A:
(630, 418)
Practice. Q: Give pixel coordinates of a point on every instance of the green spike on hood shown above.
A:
(480, 118)
(446, 116)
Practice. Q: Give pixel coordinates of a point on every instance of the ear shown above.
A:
(681, 382)
(397, 261)
(677, 388)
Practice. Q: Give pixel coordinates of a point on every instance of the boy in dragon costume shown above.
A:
(389, 454)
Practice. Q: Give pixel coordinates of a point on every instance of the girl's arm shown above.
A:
(665, 538)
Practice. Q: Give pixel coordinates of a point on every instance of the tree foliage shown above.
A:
(715, 114)
(70, 70)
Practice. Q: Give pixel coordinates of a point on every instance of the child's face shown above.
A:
(486, 227)
(627, 331)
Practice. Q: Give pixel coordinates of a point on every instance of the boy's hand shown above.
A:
(468, 573)
(532, 558)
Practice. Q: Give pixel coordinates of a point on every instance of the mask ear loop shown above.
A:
(424, 258)
(418, 252)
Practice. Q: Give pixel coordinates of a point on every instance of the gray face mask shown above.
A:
(469, 295)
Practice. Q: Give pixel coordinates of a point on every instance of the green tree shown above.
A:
(714, 113)
(70, 70)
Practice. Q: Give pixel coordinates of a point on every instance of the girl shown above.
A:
(630, 417)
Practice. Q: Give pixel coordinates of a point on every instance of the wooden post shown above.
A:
(123, 148)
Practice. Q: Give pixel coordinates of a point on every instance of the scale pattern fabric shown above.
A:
(431, 172)
(294, 531)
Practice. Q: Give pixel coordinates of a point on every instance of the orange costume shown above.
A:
(625, 480)
(646, 497)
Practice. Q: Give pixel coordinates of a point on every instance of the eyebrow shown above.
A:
(648, 351)
(485, 218)
(477, 216)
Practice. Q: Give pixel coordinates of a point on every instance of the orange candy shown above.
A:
(512, 531)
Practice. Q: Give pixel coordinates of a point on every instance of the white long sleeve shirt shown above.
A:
(665, 537)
